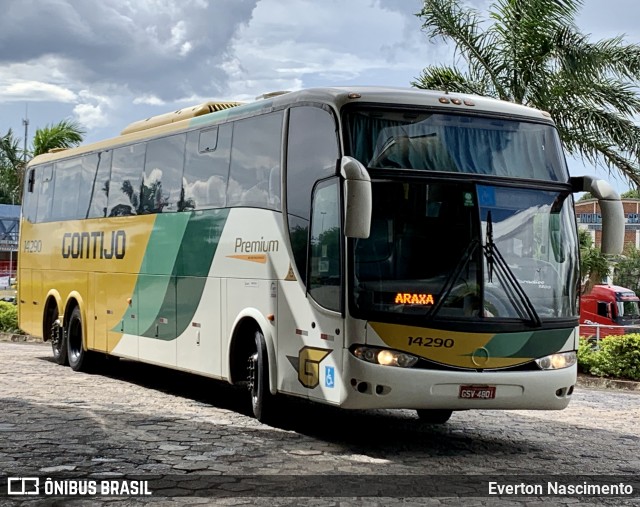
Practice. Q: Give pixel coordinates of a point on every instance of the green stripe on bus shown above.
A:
(188, 277)
(528, 344)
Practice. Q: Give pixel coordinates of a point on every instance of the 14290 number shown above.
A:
(425, 341)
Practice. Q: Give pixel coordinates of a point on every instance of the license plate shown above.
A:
(477, 392)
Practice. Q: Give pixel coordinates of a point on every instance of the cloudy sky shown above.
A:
(108, 63)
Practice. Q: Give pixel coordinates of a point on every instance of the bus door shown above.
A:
(311, 326)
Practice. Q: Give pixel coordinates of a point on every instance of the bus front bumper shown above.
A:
(370, 385)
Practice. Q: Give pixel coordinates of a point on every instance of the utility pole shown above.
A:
(25, 122)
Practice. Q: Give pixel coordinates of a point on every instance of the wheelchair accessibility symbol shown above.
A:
(329, 376)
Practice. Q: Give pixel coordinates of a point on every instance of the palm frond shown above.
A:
(446, 19)
(64, 134)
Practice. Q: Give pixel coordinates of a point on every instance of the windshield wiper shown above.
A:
(516, 294)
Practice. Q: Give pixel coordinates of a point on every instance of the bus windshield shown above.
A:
(464, 250)
(428, 141)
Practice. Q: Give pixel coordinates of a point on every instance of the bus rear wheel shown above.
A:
(77, 356)
(434, 416)
(262, 401)
(56, 334)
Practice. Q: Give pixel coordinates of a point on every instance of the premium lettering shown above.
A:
(94, 245)
(261, 246)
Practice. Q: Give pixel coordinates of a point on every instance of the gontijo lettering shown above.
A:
(94, 245)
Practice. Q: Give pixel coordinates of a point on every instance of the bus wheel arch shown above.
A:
(251, 362)
(52, 329)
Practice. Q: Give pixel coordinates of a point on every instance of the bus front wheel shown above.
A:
(262, 401)
(434, 416)
(77, 356)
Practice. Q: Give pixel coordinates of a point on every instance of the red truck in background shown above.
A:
(609, 305)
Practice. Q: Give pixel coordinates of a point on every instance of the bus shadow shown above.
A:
(377, 433)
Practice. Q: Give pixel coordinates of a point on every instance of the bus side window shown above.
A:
(255, 162)
(45, 194)
(325, 266)
(126, 179)
(99, 189)
(206, 168)
(72, 188)
(30, 199)
(162, 184)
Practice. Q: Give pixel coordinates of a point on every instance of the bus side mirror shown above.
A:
(610, 209)
(357, 198)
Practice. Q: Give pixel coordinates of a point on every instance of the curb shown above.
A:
(607, 383)
(9, 337)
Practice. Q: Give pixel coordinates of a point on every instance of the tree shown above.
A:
(11, 168)
(594, 266)
(531, 52)
(627, 271)
(64, 134)
(631, 194)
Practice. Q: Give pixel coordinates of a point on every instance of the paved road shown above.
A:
(130, 419)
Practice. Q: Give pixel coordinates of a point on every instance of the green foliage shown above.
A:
(594, 266)
(8, 317)
(627, 270)
(531, 52)
(11, 169)
(585, 197)
(64, 134)
(631, 194)
(617, 357)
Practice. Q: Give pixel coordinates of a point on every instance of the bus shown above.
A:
(359, 247)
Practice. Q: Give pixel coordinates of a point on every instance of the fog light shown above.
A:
(557, 361)
(385, 357)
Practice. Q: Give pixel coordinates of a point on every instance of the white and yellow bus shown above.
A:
(365, 248)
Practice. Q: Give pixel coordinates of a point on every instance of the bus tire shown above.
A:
(57, 336)
(262, 401)
(434, 416)
(78, 357)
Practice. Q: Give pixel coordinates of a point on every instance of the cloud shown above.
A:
(90, 116)
(297, 43)
(35, 91)
(163, 48)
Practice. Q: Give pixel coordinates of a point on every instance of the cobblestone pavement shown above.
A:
(130, 419)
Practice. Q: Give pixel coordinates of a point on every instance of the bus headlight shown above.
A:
(557, 361)
(385, 357)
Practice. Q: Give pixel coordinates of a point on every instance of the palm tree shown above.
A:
(11, 168)
(64, 134)
(531, 52)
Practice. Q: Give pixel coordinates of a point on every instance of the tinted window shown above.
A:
(44, 187)
(126, 180)
(66, 189)
(324, 276)
(99, 190)
(30, 196)
(162, 183)
(312, 155)
(206, 168)
(254, 178)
